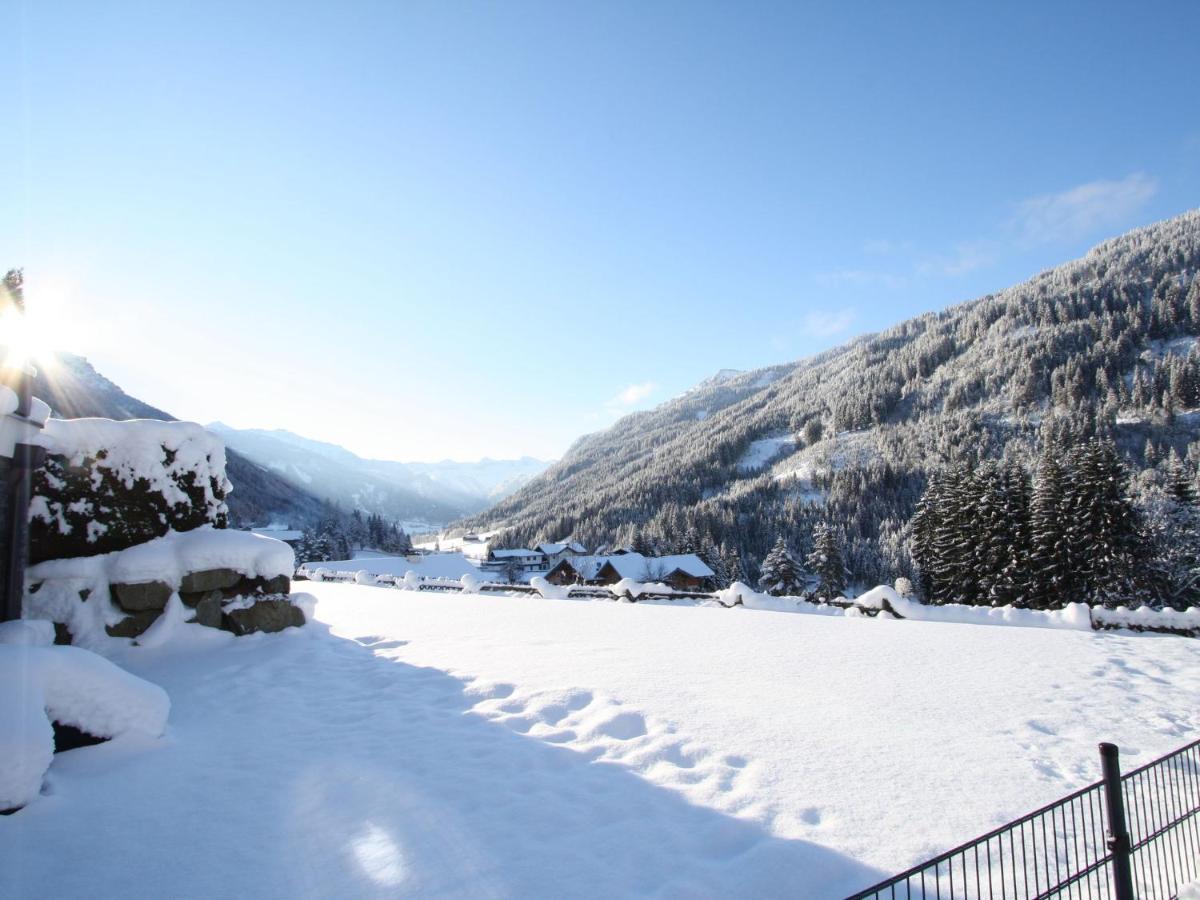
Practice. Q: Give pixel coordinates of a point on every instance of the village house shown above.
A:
(525, 559)
(556, 552)
(682, 571)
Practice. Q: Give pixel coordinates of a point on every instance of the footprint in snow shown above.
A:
(623, 726)
(484, 691)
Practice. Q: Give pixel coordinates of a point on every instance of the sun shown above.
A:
(26, 340)
(33, 332)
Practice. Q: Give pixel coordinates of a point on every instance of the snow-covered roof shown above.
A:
(520, 551)
(428, 565)
(552, 548)
(280, 534)
(637, 566)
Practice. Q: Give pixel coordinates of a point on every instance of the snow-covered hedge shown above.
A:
(1145, 619)
(234, 580)
(886, 601)
(108, 485)
(44, 684)
(1074, 616)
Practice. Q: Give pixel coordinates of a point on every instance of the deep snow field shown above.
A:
(489, 746)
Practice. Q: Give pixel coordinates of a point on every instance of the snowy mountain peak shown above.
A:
(433, 493)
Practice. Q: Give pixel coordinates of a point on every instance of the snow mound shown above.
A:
(147, 449)
(548, 590)
(27, 633)
(174, 555)
(1145, 618)
(71, 686)
(107, 485)
(79, 592)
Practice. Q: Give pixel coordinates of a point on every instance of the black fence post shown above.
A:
(16, 507)
(1118, 833)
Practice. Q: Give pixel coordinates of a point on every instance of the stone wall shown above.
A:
(217, 598)
(232, 580)
(107, 485)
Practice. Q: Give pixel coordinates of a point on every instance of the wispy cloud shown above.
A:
(887, 247)
(965, 257)
(629, 397)
(1082, 210)
(1086, 210)
(827, 323)
(862, 278)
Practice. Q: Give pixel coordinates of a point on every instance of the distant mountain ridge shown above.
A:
(418, 494)
(282, 477)
(74, 389)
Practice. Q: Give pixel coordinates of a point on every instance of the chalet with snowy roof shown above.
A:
(555, 552)
(528, 560)
(682, 571)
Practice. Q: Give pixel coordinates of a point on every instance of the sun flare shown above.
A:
(27, 340)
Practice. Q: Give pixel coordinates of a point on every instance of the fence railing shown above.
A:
(451, 586)
(1124, 837)
(1162, 621)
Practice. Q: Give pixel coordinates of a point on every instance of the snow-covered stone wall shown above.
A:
(233, 580)
(107, 486)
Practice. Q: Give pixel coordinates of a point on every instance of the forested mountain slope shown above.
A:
(1104, 344)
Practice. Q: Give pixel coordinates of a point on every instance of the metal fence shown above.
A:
(1125, 837)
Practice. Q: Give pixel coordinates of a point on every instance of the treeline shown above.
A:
(337, 536)
(1070, 531)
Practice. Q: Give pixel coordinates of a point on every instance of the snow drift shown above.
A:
(69, 685)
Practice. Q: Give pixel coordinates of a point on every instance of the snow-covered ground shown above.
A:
(495, 746)
(764, 450)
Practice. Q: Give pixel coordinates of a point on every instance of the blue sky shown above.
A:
(428, 230)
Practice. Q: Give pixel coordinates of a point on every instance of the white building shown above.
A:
(556, 552)
(524, 558)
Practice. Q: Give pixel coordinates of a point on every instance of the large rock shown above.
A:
(208, 612)
(139, 597)
(209, 580)
(195, 600)
(280, 584)
(132, 626)
(265, 615)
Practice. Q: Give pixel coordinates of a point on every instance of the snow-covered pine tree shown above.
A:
(1013, 583)
(732, 561)
(1102, 528)
(780, 574)
(825, 562)
(641, 543)
(306, 547)
(712, 558)
(989, 543)
(1172, 529)
(1048, 574)
(953, 541)
(1179, 481)
(925, 526)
